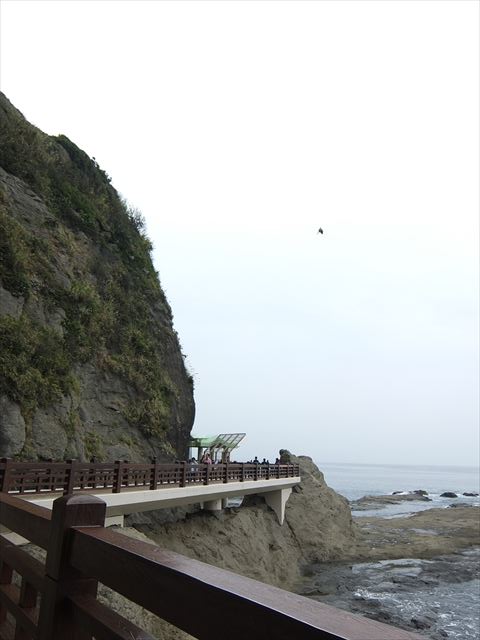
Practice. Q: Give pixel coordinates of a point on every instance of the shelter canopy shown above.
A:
(224, 442)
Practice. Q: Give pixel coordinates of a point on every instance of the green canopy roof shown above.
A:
(222, 441)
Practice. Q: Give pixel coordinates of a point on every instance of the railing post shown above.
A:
(6, 574)
(117, 482)
(153, 480)
(55, 618)
(6, 474)
(225, 477)
(183, 477)
(69, 484)
(242, 476)
(278, 469)
(207, 473)
(255, 477)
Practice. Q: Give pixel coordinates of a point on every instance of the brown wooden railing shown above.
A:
(70, 476)
(57, 600)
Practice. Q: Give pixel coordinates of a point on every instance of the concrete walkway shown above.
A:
(212, 497)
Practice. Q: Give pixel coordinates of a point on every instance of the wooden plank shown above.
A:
(7, 630)
(170, 585)
(29, 520)
(61, 579)
(23, 563)
(26, 618)
(104, 623)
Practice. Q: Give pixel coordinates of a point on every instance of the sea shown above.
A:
(454, 605)
(357, 480)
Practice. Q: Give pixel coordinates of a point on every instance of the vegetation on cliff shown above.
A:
(79, 288)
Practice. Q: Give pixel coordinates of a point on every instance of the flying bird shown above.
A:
(320, 230)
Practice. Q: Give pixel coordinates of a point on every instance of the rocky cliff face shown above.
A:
(248, 540)
(90, 365)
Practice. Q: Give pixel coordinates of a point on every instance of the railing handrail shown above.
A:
(185, 592)
(71, 476)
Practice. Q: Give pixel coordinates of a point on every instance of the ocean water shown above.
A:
(357, 480)
(455, 605)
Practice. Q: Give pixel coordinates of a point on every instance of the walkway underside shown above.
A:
(212, 497)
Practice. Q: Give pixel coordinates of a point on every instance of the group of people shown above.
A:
(207, 459)
(264, 461)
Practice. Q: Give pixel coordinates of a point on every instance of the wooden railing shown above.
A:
(57, 600)
(70, 476)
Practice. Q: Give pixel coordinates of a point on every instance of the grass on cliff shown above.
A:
(35, 367)
(109, 317)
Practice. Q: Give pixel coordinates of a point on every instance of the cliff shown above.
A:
(250, 541)
(90, 365)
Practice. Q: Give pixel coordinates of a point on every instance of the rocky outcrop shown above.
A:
(405, 570)
(248, 540)
(90, 365)
(368, 503)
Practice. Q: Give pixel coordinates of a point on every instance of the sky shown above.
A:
(240, 128)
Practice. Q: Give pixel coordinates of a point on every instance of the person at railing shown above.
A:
(265, 461)
(206, 458)
(256, 460)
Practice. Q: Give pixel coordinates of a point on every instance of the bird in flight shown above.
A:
(320, 231)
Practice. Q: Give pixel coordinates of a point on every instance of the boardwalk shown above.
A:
(81, 552)
(132, 488)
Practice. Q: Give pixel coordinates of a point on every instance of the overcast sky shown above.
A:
(238, 129)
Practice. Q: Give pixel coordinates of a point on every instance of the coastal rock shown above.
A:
(406, 592)
(368, 503)
(448, 494)
(319, 517)
(250, 541)
(423, 535)
(470, 494)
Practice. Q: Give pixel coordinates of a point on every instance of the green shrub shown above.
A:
(14, 256)
(111, 319)
(35, 368)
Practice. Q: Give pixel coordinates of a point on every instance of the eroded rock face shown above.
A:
(319, 517)
(250, 541)
(12, 428)
(10, 305)
(91, 364)
(49, 437)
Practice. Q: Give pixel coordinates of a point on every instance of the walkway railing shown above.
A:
(70, 476)
(189, 594)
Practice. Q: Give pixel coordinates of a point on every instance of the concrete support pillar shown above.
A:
(213, 505)
(224, 503)
(277, 500)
